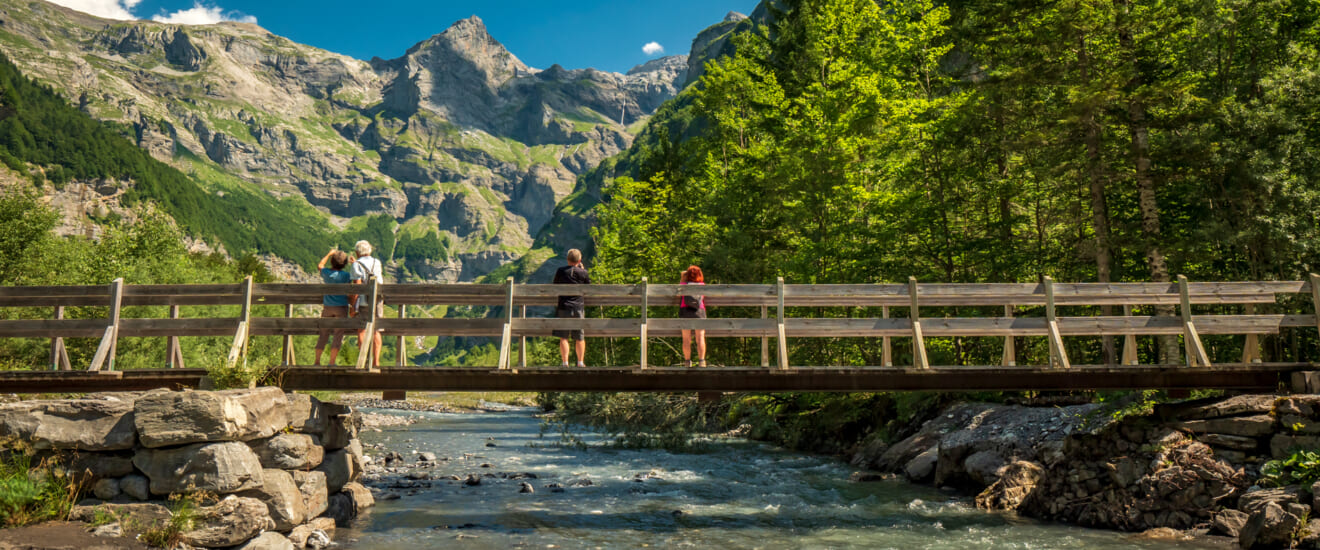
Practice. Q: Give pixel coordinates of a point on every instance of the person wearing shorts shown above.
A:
(572, 307)
(693, 307)
(333, 306)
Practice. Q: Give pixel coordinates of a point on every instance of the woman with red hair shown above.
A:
(693, 307)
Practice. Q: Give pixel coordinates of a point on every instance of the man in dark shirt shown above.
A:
(572, 307)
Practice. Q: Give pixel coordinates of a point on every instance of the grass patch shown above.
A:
(183, 513)
(31, 495)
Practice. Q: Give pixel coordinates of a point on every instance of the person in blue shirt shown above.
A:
(333, 305)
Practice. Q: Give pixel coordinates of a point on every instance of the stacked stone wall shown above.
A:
(280, 469)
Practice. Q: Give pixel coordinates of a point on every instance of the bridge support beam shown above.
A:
(1058, 353)
(1129, 342)
(59, 355)
(105, 353)
(918, 340)
(365, 358)
(506, 338)
(645, 296)
(783, 341)
(238, 350)
(1196, 355)
(1010, 349)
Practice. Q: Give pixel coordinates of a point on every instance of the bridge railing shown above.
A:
(772, 300)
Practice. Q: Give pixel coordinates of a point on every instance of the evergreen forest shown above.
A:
(849, 141)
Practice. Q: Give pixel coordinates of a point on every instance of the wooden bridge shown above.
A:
(1227, 308)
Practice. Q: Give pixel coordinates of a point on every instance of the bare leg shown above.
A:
(563, 350)
(582, 351)
(701, 346)
(317, 362)
(334, 354)
(375, 348)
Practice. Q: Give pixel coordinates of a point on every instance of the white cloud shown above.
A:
(652, 48)
(199, 14)
(202, 15)
(109, 9)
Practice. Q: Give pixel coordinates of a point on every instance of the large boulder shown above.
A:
(313, 534)
(135, 486)
(339, 469)
(166, 418)
(1241, 426)
(922, 467)
(218, 468)
(1229, 523)
(1016, 482)
(284, 501)
(342, 426)
(360, 497)
(306, 415)
(1256, 500)
(267, 541)
(1282, 445)
(1270, 527)
(230, 522)
(314, 491)
(87, 466)
(1215, 407)
(340, 509)
(140, 513)
(290, 451)
(73, 424)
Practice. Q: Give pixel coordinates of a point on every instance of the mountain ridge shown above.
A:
(456, 138)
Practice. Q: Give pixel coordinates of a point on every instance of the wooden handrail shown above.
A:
(1020, 320)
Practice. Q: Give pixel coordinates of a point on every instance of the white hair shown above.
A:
(363, 248)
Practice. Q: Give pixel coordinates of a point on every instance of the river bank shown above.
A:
(1190, 468)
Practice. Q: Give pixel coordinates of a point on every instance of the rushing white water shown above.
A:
(738, 495)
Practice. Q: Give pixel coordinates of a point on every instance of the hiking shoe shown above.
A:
(582, 365)
(563, 365)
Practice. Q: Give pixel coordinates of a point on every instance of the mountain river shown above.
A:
(738, 494)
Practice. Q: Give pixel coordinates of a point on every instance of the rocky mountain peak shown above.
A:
(665, 64)
(734, 17)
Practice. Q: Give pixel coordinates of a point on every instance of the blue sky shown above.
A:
(604, 34)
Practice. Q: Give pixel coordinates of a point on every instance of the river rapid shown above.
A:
(738, 494)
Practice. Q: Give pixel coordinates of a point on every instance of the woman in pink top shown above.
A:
(693, 307)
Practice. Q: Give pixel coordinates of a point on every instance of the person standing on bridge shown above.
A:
(693, 307)
(365, 269)
(333, 306)
(572, 307)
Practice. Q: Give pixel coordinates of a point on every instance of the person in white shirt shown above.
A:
(364, 269)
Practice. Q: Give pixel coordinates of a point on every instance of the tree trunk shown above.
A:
(1099, 206)
(1139, 130)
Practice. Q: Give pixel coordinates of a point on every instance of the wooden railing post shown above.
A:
(886, 347)
(173, 352)
(1129, 342)
(522, 341)
(1315, 297)
(765, 340)
(105, 353)
(645, 298)
(919, 359)
(1196, 355)
(1010, 347)
(1058, 354)
(366, 359)
(783, 342)
(401, 344)
(287, 357)
(1251, 346)
(507, 337)
(238, 350)
(59, 355)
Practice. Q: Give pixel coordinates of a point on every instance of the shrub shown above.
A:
(1302, 467)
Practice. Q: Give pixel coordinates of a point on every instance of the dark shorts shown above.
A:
(570, 313)
(691, 313)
